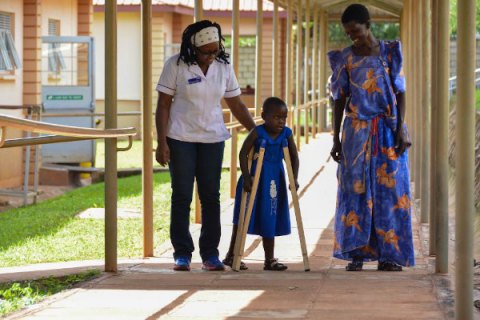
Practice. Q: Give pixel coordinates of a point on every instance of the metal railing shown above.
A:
(32, 111)
(452, 82)
(58, 133)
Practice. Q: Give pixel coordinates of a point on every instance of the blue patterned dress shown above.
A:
(373, 214)
(270, 215)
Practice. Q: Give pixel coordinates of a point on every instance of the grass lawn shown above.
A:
(477, 99)
(453, 99)
(51, 232)
(17, 295)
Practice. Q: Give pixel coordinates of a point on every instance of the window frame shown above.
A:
(56, 62)
(9, 58)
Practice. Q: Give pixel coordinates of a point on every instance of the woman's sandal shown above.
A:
(228, 261)
(274, 265)
(388, 266)
(355, 265)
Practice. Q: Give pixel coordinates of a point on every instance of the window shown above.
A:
(56, 63)
(9, 59)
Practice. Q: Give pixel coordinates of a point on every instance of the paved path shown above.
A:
(149, 289)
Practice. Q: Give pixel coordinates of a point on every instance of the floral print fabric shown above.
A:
(373, 214)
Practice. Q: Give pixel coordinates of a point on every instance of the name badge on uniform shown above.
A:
(194, 80)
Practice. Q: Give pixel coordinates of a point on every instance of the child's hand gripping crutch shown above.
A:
(296, 205)
(244, 217)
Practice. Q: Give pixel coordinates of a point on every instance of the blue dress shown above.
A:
(373, 214)
(270, 215)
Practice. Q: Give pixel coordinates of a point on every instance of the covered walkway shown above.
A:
(149, 289)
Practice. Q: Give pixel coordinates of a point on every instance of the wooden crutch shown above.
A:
(296, 205)
(242, 233)
(241, 215)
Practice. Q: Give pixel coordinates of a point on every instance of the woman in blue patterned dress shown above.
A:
(373, 214)
(270, 215)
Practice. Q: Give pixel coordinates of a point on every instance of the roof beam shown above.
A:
(396, 10)
(336, 17)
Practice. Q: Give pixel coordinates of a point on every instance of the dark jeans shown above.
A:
(203, 161)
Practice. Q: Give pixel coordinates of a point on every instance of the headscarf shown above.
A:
(205, 36)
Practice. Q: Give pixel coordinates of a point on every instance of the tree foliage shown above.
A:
(384, 31)
(453, 17)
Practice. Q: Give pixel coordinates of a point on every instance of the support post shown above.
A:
(465, 161)
(258, 59)
(111, 143)
(441, 187)
(147, 172)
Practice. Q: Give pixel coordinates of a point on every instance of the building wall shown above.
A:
(129, 55)
(11, 85)
(65, 11)
(11, 94)
(130, 61)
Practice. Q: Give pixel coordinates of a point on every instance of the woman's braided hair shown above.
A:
(187, 49)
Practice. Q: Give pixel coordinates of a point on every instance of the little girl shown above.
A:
(270, 215)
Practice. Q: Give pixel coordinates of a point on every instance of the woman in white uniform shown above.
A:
(191, 135)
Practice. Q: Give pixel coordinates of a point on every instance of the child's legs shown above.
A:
(232, 241)
(268, 247)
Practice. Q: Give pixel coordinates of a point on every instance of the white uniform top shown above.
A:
(196, 114)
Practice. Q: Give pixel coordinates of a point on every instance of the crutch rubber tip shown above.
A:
(306, 270)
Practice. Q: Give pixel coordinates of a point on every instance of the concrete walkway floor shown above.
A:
(149, 289)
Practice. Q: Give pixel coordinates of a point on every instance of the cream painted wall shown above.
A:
(65, 11)
(11, 92)
(129, 55)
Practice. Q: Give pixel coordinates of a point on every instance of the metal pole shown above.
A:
(433, 130)
(465, 161)
(111, 143)
(323, 67)
(235, 34)
(298, 88)
(147, 172)
(306, 69)
(315, 95)
(425, 107)
(198, 8)
(441, 187)
(306, 56)
(198, 12)
(235, 63)
(289, 64)
(417, 132)
(258, 59)
(275, 51)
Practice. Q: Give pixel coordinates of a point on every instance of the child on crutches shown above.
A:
(270, 215)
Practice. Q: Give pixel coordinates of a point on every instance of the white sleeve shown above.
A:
(168, 79)
(233, 88)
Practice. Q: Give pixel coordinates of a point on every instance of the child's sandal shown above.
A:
(388, 266)
(228, 261)
(355, 265)
(274, 265)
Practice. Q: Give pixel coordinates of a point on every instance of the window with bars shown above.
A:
(56, 62)
(9, 59)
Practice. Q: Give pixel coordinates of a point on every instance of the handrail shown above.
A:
(236, 124)
(61, 133)
(63, 130)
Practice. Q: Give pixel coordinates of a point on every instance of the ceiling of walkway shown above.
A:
(379, 9)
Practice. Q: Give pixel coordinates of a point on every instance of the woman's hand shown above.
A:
(162, 154)
(336, 152)
(402, 141)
